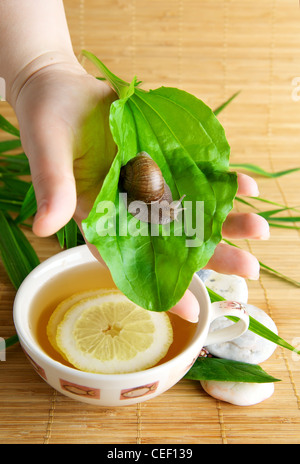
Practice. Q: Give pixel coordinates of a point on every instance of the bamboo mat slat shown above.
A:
(211, 49)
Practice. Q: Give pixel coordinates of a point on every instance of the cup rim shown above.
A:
(33, 347)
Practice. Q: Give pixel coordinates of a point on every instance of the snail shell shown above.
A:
(150, 198)
(142, 179)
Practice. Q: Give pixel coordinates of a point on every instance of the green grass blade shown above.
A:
(61, 237)
(282, 219)
(272, 212)
(282, 226)
(269, 269)
(25, 246)
(6, 126)
(8, 145)
(71, 234)
(258, 170)
(11, 341)
(264, 200)
(29, 206)
(245, 202)
(10, 205)
(256, 326)
(14, 164)
(16, 251)
(279, 274)
(223, 106)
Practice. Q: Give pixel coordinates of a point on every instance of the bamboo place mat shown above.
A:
(211, 49)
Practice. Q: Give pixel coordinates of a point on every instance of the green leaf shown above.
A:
(188, 143)
(271, 270)
(8, 127)
(228, 371)
(282, 226)
(270, 213)
(18, 256)
(8, 145)
(280, 219)
(279, 274)
(14, 165)
(223, 106)
(29, 206)
(11, 341)
(71, 234)
(258, 170)
(61, 237)
(255, 326)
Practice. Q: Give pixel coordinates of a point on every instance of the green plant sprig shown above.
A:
(19, 257)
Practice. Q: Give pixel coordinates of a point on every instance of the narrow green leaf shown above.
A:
(25, 246)
(282, 226)
(14, 165)
(71, 234)
(11, 341)
(10, 205)
(16, 251)
(228, 371)
(29, 206)
(245, 202)
(281, 219)
(15, 185)
(61, 237)
(258, 170)
(269, 269)
(279, 274)
(8, 145)
(223, 106)
(272, 212)
(255, 326)
(264, 200)
(6, 126)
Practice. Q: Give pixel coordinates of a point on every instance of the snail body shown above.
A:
(150, 198)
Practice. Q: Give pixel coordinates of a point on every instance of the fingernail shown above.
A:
(193, 320)
(264, 236)
(42, 210)
(254, 276)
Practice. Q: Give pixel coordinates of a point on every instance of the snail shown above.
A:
(150, 198)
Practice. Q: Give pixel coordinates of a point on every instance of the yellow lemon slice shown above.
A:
(111, 335)
(59, 312)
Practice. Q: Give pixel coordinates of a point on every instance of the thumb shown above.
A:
(51, 163)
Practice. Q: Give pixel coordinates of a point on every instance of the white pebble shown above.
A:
(249, 347)
(238, 393)
(230, 287)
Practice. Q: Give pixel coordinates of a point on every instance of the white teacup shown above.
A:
(118, 389)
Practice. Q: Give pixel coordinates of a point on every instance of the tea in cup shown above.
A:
(76, 271)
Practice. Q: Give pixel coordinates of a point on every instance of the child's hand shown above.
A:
(63, 117)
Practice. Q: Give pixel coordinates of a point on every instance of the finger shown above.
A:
(187, 308)
(49, 151)
(247, 185)
(230, 260)
(246, 225)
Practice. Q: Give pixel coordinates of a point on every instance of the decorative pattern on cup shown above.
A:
(36, 366)
(233, 305)
(80, 390)
(135, 392)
